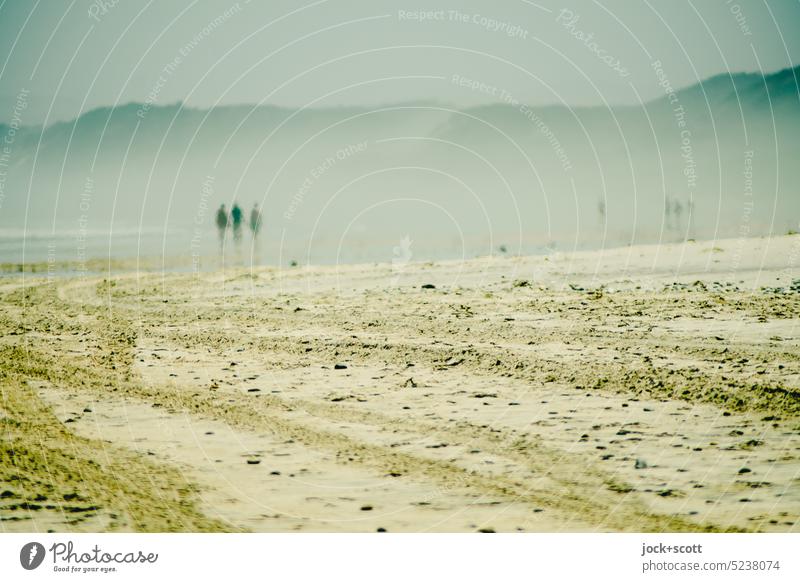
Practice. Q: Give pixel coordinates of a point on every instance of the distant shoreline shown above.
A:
(185, 263)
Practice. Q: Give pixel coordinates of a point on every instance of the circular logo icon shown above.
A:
(31, 555)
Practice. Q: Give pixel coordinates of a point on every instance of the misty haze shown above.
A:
(345, 184)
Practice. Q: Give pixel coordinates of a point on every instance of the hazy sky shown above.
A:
(75, 55)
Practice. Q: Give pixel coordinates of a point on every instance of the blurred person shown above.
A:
(222, 224)
(678, 212)
(236, 219)
(255, 221)
(668, 213)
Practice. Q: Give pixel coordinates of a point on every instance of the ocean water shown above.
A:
(272, 249)
(37, 246)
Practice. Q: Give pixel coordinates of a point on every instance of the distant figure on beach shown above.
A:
(677, 211)
(222, 224)
(255, 221)
(668, 212)
(236, 218)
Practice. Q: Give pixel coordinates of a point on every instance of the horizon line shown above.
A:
(421, 100)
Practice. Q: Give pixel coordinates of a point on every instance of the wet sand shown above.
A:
(636, 389)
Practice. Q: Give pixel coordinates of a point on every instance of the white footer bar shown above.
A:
(354, 557)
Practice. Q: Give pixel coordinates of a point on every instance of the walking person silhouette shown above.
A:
(255, 228)
(236, 218)
(255, 221)
(222, 225)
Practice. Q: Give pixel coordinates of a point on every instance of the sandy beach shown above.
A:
(652, 388)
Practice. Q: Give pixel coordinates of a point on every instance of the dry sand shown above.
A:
(635, 389)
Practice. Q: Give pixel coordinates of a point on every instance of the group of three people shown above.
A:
(234, 221)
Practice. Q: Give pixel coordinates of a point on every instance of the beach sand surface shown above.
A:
(651, 388)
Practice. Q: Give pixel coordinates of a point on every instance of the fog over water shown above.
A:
(441, 134)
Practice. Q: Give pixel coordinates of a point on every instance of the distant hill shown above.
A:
(495, 172)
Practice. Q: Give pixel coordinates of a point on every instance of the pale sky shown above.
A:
(74, 55)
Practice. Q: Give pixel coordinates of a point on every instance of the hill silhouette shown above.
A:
(579, 176)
